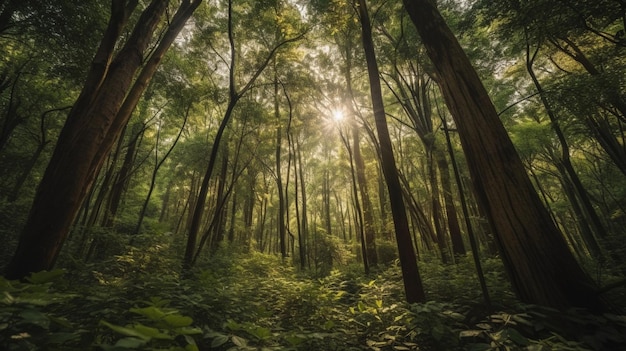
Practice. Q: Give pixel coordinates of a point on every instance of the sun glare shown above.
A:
(338, 115)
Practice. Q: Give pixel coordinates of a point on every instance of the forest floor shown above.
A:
(238, 301)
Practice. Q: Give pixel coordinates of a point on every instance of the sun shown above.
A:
(338, 115)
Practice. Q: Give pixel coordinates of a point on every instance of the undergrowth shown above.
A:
(236, 301)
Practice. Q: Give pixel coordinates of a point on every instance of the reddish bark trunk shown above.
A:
(540, 265)
(89, 133)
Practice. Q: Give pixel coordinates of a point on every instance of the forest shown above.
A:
(313, 175)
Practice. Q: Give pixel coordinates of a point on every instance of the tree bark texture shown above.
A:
(92, 127)
(541, 267)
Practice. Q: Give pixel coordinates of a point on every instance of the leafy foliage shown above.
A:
(256, 302)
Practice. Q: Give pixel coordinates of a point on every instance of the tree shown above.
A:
(541, 267)
(410, 274)
(235, 93)
(109, 95)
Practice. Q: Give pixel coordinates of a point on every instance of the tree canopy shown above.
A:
(327, 174)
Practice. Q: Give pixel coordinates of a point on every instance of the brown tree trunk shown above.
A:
(359, 213)
(412, 282)
(92, 127)
(458, 247)
(538, 260)
(368, 212)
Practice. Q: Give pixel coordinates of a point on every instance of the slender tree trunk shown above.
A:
(538, 260)
(304, 233)
(468, 223)
(436, 210)
(121, 180)
(282, 230)
(589, 218)
(359, 217)
(157, 165)
(366, 223)
(412, 282)
(458, 247)
(608, 141)
(165, 203)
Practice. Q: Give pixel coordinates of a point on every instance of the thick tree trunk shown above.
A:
(92, 127)
(412, 282)
(538, 260)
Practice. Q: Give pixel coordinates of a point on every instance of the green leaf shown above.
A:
(131, 343)
(232, 325)
(518, 338)
(177, 320)
(219, 341)
(188, 331)
(36, 317)
(261, 333)
(152, 332)
(152, 312)
(295, 340)
(479, 347)
(125, 330)
(60, 338)
(239, 341)
(45, 276)
(470, 333)
(328, 325)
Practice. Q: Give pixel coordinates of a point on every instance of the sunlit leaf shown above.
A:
(239, 341)
(151, 332)
(125, 330)
(176, 320)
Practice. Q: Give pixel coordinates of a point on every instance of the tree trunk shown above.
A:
(282, 229)
(121, 180)
(304, 217)
(538, 260)
(458, 247)
(359, 213)
(366, 216)
(91, 129)
(466, 215)
(412, 282)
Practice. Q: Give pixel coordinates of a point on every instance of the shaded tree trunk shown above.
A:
(537, 258)
(102, 110)
(412, 282)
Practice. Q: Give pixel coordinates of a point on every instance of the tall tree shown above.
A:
(235, 93)
(412, 282)
(111, 92)
(541, 267)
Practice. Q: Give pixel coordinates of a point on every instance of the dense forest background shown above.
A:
(313, 175)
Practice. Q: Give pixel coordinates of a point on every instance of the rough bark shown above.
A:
(94, 124)
(537, 258)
